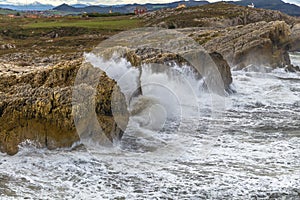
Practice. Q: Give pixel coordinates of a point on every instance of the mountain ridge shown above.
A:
(127, 8)
(288, 8)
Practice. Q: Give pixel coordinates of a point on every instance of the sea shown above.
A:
(180, 145)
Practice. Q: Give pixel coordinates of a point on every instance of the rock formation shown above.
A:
(242, 35)
(147, 55)
(37, 106)
(295, 36)
(218, 15)
(36, 103)
(261, 43)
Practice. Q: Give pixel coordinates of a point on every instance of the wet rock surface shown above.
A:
(149, 55)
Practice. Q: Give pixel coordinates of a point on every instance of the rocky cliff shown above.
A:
(242, 35)
(36, 105)
(261, 43)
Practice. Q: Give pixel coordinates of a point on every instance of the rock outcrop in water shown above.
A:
(261, 43)
(243, 36)
(295, 36)
(147, 55)
(37, 105)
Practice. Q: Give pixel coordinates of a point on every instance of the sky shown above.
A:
(105, 2)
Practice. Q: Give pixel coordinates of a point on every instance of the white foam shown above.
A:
(295, 58)
(252, 152)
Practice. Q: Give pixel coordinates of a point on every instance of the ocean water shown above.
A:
(249, 150)
(295, 58)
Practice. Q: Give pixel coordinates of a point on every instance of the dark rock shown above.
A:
(291, 68)
(223, 68)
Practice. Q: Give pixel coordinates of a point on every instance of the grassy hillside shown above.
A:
(101, 23)
(7, 11)
(45, 37)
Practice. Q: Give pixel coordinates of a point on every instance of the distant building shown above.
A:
(181, 6)
(32, 16)
(11, 16)
(110, 12)
(140, 10)
(251, 5)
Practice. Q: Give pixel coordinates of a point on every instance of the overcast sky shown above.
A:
(107, 2)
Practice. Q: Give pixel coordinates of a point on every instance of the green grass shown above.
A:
(6, 11)
(37, 35)
(102, 23)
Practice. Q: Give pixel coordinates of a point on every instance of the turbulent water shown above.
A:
(250, 150)
(295, 58)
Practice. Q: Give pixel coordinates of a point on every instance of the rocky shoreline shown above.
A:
(36, 99)
(37, 105)
(261, 44)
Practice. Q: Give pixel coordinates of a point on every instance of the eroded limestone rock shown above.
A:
(37, 106)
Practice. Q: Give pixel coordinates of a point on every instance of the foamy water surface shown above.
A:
(250, 151)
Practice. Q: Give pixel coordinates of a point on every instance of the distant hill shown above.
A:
(66, 8)
(126, 8)
(79, 5)
(279, 5)
(5, 11)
